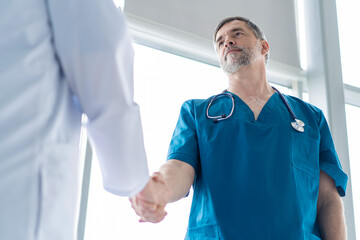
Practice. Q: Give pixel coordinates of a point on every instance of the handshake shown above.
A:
(150, 203)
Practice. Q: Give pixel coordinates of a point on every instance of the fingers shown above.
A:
(150, 203)
(153, 216)
(143, 205)
(154, 219)
(149, 212)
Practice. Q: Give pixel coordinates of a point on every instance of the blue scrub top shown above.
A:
(255, 179)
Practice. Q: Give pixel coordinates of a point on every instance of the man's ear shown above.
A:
(264, 47)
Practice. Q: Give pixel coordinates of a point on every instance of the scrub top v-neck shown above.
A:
(255, 179)
(265, 111)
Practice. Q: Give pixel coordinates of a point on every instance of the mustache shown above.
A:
(233, 48)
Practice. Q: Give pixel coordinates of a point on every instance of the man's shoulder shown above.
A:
(197, 102)
(297, 102)
(305, 109)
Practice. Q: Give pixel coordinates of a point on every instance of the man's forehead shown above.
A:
(232, 25)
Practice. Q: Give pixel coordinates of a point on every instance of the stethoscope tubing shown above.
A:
(286, 104)
(223, 116)
(298, 125)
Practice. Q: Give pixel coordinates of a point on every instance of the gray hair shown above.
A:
(259, 34)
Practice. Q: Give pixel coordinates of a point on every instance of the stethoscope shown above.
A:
(297, 124)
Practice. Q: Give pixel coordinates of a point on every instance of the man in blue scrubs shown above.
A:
(254, 175)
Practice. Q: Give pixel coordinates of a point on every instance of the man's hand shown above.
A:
(171, 183)
(150, 203)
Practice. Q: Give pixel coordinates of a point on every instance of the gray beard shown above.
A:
(232, 62)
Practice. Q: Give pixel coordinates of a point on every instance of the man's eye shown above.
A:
(220, 43)
(238, 33)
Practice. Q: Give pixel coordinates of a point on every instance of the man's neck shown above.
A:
(249, 82)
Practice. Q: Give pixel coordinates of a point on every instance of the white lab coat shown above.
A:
(59, 59)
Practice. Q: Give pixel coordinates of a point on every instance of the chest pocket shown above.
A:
(305, 152)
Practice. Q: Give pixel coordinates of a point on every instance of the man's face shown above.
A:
(237, 46)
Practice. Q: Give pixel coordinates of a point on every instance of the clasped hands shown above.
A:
(150, 203)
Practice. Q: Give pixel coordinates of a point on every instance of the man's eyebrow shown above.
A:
(232, 30)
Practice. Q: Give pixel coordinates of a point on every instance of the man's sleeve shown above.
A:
(329, 161)
(96, 56)
(184, 142)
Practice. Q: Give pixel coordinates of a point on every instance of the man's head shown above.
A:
(238, 42)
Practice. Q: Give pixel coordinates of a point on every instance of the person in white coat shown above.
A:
(58, 60)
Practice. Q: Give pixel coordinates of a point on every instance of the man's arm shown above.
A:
(178, 176)
(171, 183)
(330, 211)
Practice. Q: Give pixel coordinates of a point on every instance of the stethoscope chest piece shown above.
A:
(298, 125)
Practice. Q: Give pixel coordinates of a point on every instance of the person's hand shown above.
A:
(150, 203)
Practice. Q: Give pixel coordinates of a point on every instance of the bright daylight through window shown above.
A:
(162, 83)
(353, 116)
(348, 14)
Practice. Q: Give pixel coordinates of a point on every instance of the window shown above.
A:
(162, 83)
(353, 129)
(348, 14)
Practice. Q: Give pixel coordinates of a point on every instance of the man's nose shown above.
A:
(229, 42)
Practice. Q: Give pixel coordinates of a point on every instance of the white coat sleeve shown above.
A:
(94, 51)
